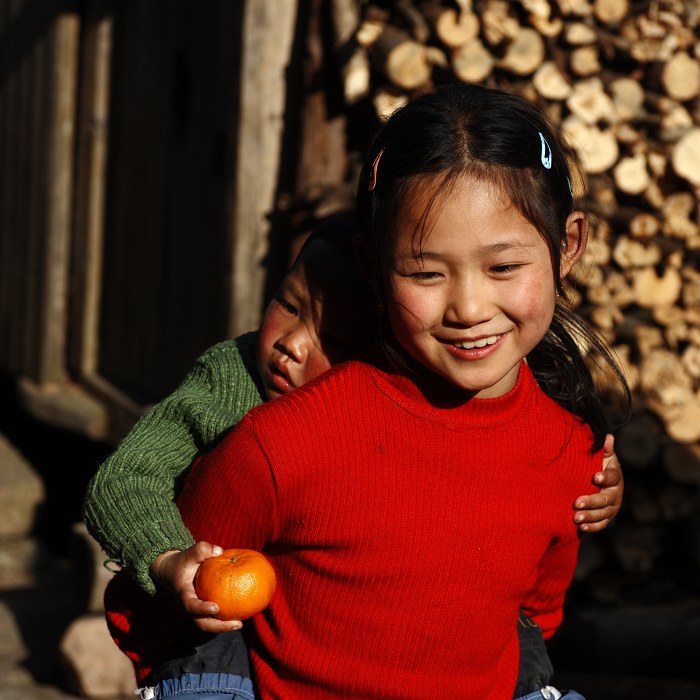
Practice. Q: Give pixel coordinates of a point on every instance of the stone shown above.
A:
(12, 647)
(21, 492)
(89, 570)
(94, 665)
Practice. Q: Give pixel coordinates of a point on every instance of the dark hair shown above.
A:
(338, 230)
(498, 137)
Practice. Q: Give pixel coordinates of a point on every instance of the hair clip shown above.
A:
(571, 189)
(545, 153)
(375, 165)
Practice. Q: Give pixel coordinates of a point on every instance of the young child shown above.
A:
(414, 502)
(145, 533)
(319, 315)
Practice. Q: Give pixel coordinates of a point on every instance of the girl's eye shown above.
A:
(424, 276)
(504, 269)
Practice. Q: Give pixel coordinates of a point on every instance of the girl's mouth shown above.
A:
(480, 343)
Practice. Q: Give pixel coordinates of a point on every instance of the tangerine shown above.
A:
(240, 581)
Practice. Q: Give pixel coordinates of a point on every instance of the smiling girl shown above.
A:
(415, 501)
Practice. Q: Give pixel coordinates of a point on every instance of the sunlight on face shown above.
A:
(479, 294)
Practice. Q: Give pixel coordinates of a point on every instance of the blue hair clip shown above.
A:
(571, 189)
(545, 153)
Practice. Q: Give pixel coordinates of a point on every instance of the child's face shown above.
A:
(481, 293)
(312, 322)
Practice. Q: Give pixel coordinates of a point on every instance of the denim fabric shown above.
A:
(549, 693)
(203, 654)
(535, 670)
(192, 686)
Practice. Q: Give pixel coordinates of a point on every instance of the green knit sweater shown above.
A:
(129, 506)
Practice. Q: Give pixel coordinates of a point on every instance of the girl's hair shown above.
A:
(498, 137)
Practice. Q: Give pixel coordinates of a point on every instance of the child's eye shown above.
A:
(289, 308)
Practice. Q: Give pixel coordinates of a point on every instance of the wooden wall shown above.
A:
(135, 198)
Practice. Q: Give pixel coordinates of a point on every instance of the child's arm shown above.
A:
(595, 511)
(129, 507)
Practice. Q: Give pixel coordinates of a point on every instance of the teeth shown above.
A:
(482, 342)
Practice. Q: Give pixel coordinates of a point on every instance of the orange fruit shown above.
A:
(240, 581)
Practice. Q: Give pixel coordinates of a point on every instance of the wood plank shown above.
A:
(268, 30)
(91, 173)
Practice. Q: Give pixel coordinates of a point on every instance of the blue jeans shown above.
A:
(547, 694)
(194, 686)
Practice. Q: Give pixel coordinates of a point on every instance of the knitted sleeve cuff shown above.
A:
(138, 554)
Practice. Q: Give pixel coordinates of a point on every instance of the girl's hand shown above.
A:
(175, 570)
(595, 511)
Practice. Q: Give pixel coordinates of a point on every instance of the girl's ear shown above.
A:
(574, 243)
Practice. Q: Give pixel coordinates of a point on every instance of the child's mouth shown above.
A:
(280, 381)
(479, 343)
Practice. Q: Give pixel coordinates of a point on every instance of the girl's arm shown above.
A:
(129, 507)
(595, 511)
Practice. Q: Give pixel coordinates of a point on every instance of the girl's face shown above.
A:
(480, 294)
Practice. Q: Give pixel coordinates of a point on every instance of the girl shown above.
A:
(415, 501)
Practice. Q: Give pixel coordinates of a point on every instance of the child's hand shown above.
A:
(594, 512)
(176, 569)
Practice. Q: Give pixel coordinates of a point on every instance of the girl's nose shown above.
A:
(468, 305)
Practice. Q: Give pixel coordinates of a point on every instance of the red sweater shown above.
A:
(406, 535)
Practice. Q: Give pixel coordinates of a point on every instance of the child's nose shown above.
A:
(295, 344)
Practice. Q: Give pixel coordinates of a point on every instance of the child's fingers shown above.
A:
(607, 478)
(199, 608)
(211, 624)
(595, 526)
(205, 550)
(596, 501)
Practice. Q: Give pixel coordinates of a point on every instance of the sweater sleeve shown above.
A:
(129, 505)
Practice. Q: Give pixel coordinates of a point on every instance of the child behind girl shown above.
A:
(414, 502)
(311, 323)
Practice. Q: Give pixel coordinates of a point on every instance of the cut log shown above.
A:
(629, 253)
(585, 61)
(589, 101)
(525, 53)
(631, 175)
(498, 22)
(628, 98)
(401, 59)
(668, 392)
(550, 82)
(386, 102)
(651, 290)
(472, 62)
(685, 158)
(681, 77)
(597, 149)
(548, 28)
(644, 225)
(580, 34)
(455, 29)
(579, 8)
(611, 11)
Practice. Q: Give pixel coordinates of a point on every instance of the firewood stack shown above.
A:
(623, 80)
